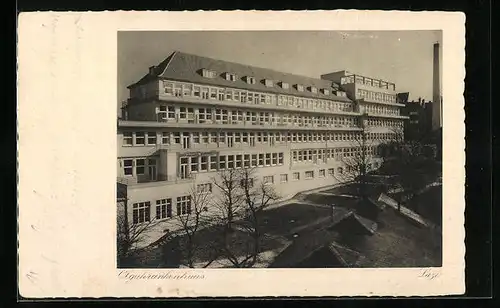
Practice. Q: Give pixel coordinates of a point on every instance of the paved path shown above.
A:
(405, 211)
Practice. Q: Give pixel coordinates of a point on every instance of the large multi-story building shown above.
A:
(192, 116)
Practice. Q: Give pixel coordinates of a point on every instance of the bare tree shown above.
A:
(129, 236)
(193, 220)
(256, 199)
(240, 203)
(229, 201)
(356, 162)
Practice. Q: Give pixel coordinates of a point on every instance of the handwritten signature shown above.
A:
(429, 274)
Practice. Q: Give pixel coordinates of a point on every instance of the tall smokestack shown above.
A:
(437, 117)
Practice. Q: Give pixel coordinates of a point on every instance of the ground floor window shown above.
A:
(322, 173)
(309, 174)
(183, 205)
(163, 208)
(204, 188)
(269, 179)
(284, 178)
(141, 212)
(296, 176)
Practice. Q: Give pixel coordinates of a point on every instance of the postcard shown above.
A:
(241, 153)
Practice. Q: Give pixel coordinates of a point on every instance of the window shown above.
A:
(163, 208)
(309, 174)
(275, 158)
(280, 158)
(204, 137)
(268, 159)
(326, 91)
(322, 173)
(269, 179)
(141, 212)
(204, 114)
(250, 80)
(204, 163)
(254, 160)
(284, 85)
(246, 160)
(268, 83)
(139, 169)
(230, 77)
(261, 160)
(196, 137)
(222, 162)
(331, 171)
(204, 188)
(238, 161)
(249, 181)
(300, 88)
(151, 138)
(165, 138)
(230, 161)
(139, 138)
(127, 139)
(208, 73)
(340, 170)
(284, 178)
(313, 89)
(296, 176)
(183, 205)
(128, 166)
(177, 137)
(213, 162)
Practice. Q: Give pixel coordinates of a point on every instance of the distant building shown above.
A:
(418, 126)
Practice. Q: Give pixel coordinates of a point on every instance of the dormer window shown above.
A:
(313, 89)
(300, 87)
(268, 82)
(341, 93)
(325, 91)
(250, 79)
(208, 73)
(230, 77)
(284, 85)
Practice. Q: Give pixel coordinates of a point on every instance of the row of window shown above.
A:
(168, 113)
(377, 109)
(141, 211)
(179, 89)
(384, 123)
(268, 82)
(213, 162)
(367, 81)
(249, 138)
(376, 96)
(138, 166)
(318, 155)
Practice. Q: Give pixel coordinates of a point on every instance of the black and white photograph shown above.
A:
(212, 154)
(279, 149)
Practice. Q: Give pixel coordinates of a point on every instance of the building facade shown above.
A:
(191, 116)
(418, 125)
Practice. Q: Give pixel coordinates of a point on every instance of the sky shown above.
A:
(402, 57)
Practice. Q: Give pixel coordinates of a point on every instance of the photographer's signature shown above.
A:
(429, 273)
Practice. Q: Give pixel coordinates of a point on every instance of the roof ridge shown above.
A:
(168, 60)
(252, 66)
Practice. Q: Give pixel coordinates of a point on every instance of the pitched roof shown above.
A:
(348, 257)
(354, 224)
(187, 67)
